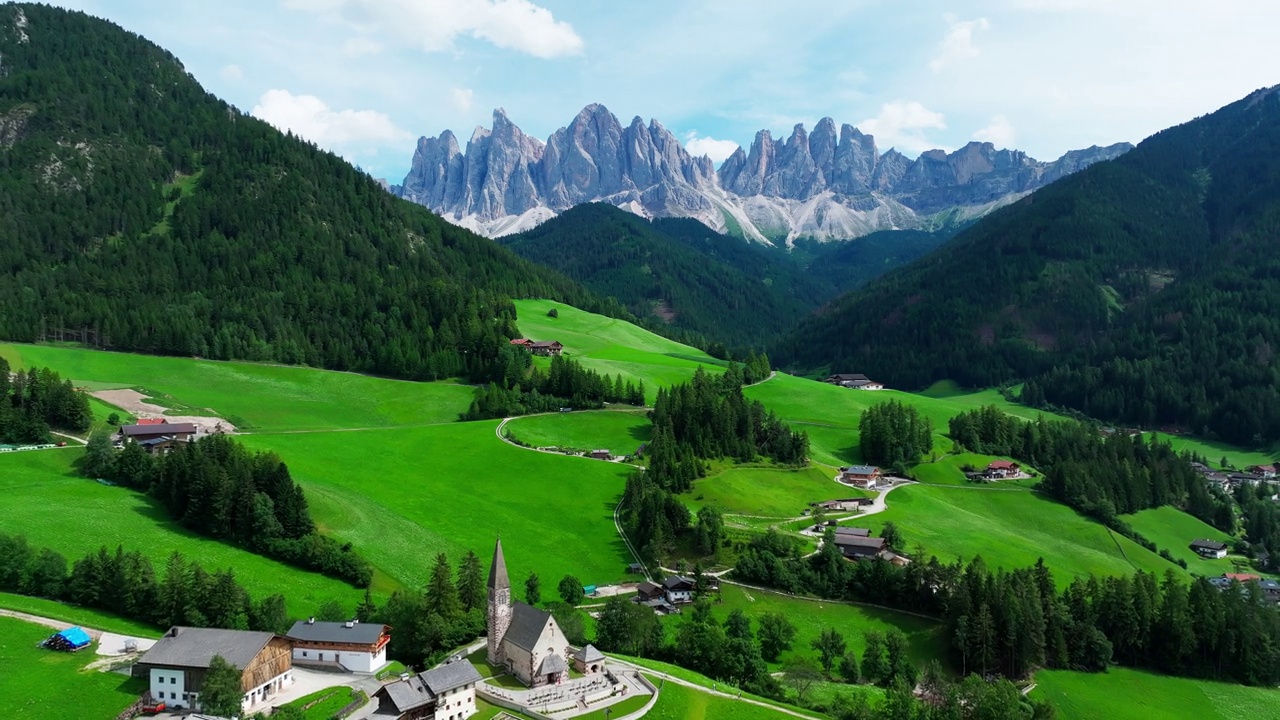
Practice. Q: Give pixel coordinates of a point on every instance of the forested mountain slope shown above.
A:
(1145, 289)
(679, 272)
(138, 212)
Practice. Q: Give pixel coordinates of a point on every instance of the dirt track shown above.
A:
(135, 403)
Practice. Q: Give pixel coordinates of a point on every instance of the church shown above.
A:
(523, 639)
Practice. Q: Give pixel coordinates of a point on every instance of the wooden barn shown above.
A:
(177, 664)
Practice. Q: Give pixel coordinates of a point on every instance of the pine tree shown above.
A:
(471, 589)
(532, 589)
(441, 596)
(221, 694)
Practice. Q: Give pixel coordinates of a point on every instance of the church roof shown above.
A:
(498, 570)
(589, 653)
(527, 624)
(552, 664)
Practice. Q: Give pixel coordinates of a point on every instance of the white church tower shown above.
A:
(499, 611)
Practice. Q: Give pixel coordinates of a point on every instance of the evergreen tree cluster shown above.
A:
(894, 435)
(140, 213)
(1143, 290)
(32, 401)
(525, 388)
(126, 583)
(219, 489)
(710, 418)
(1101, 476)
(1010, 623)
(449, 611)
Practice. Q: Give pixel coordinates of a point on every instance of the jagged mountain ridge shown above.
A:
(823, 185)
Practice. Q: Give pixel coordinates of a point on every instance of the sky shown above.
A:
(367, 78)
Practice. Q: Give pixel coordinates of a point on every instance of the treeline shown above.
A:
(709, 418)
(126, 583)
(1261, 517)
(1011, 622)
(448, 612)
(894, 435)
(32, 401)
(1100, 476)
(525, 388)
(219, 489)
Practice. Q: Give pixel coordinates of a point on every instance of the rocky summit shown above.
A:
(828, 184)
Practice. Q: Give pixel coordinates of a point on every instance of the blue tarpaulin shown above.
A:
(73, 638)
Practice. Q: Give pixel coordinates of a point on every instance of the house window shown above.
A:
(304, 653)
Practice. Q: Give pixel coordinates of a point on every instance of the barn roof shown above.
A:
(336, 632)
(196, 647)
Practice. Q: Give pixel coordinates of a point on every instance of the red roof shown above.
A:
(522, 341)
(152, 421)
(1240, 577)
(1263, 468)
(1003, 465)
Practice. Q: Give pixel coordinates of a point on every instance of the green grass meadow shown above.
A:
(1010, 529)
(46, 500)
(38, 684)
(678, 702)
(1173, 530)
(258, 397)
(86, 617)
(774, 492)
(1125, 694)
(620, 431)
(613, 346)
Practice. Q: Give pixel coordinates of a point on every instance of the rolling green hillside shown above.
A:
(1124, 694)
(39, 684)
(138, 212)
(1113, 289)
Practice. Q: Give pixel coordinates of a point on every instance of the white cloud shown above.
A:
(461, 98)
(998, 132)
(902, 124)
(231, 73)
(309, 117)
(717, 150)
(361, 45)
(433, 25)
(957, 44)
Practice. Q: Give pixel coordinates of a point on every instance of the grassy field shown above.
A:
(47, 685)
(619, 431)
(328, 702)
(403, 495)
(258, 397)
(1124, 694)
(1010, 528)
(949, 471)
(927, 637)
(613, 346)
(677, 702)
(1173, 530)
(767, 491)
(87, 515)
(86, 617)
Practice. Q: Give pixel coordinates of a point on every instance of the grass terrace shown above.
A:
(39, 684)
(621, 431)
(1149, 696)
(767, 491)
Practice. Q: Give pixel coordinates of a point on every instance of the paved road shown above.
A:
(709, 691)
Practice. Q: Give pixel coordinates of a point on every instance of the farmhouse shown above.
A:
(523, 639)
(352, 646)
(601, 454)
(1001, 469)
(177, 664)
(843, 531)
(650, 590)
(444, 693)
(1209, 548)
(866, 477)
(1266, 472)
(856, 547)
(157, 438)
(522, 342)
(1270, 588)
(856, 381)
(678, 589)
(546, 347)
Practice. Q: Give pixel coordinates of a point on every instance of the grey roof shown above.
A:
(861, 469)
(498, 570)
(1208, 544)
(588, 653)
(408, 694)
(674, 582)
(161, 429)
(336, 632)
(843, 377)
(527, 623)
(552, 664)
(447, 677)
(859, 542)
(196, 647)
(852, 531)
(647, 587)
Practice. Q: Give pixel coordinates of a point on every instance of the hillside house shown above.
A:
(856, 547)
(525, 640)
(678, 590)
(1270, 588)
(843, 531)
(1209, 548)
(157, 438)
(866, 477)
(546, 347)
(1002, 469)
(177, 664)
(444, 693)
(522, 342)
(1266, 472)
(856, 381)
(352, 646)
(600, 454)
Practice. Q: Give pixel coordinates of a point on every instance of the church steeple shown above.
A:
(499, 610)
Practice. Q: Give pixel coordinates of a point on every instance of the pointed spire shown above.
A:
(498, 571)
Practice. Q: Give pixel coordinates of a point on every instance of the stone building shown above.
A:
(523, 639)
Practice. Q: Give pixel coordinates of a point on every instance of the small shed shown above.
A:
(600, 454)
(69, 640)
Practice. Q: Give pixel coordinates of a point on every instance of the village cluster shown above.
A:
(523, 641)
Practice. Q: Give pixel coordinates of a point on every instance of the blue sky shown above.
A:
(366, 78)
